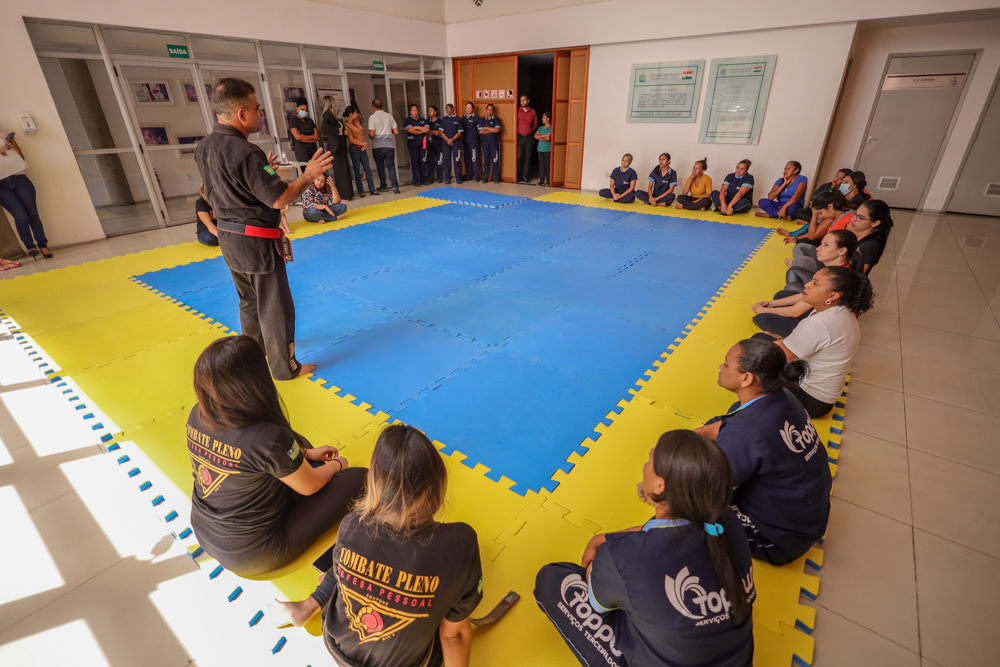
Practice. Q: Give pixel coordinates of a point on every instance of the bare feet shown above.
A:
(283, 614)
(788, 261)
(305, 369)
(341, 216)
(781, 230)
(761, 214)
(678, 206)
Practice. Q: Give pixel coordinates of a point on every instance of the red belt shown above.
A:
(284, 245)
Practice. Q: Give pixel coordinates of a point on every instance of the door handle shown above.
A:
(871, 139)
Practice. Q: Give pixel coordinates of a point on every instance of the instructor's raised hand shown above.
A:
(318, 163)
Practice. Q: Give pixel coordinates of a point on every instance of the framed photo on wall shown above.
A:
(155, 135)
(152, 92)
(189, 139)
(289, 95)
(190, 93)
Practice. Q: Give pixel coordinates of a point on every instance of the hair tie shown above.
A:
(714, 529)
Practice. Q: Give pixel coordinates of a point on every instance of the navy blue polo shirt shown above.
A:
(435, 125)
(452, 125)
(415, 139)
(662, 183)
(623, 179)
(470, 127)
(493, 137)
(780, 469)
(672, 608)
(733, 184)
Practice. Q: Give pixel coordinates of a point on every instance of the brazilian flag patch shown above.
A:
(294, 451)
(269, 169)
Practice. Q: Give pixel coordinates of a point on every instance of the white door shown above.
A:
(915, 107)
(977, 190)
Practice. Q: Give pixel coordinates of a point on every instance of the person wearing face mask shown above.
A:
(697, 193)
(662, 183)
(623, 180)
(304, 131)
(853, 189)
(736, 195)
(806, 213)
(527, 123)
(786, 195)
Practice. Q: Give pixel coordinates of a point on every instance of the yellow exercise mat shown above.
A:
(42, 286)
(637, 206)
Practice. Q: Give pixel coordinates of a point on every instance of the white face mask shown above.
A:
(844, 188)
(303, 114)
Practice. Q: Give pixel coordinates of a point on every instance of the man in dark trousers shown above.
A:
(247, 196)
(527, 123)
(470, 136)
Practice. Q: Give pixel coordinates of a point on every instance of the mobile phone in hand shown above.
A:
(10, 137)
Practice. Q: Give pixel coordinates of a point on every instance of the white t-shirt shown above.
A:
(828, 341)
(11, 163)
(383, 123)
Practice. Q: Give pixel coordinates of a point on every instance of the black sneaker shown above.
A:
(448, 182)
(383, 189)
(376, 193)
(395, 191)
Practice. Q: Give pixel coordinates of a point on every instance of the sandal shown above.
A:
(7, 265)
(46, 253)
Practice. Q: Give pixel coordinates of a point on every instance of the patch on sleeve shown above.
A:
(480, 590)
(294, 451)
(269, 169)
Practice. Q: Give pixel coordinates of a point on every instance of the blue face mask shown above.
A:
(303, 114)
(844, 188)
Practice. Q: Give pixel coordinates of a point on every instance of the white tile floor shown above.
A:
(912, 568)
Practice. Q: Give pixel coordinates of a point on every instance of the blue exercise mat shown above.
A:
(471, 197)
(505, 333)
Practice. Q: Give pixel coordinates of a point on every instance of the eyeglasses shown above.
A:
(862, 218)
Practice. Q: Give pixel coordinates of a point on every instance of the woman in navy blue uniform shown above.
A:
(675, 591)
(736, 194)
(417, 139)
(433, 171)
(623, 180)
(489, 134)
(470, 137)
(451, 145)
(662, 182)
(779, 464)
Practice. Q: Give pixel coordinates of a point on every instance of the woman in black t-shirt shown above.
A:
(677, 590)
(207, 232)
(262, 493)
(871, 225)
(403, 586)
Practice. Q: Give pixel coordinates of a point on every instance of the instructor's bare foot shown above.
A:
(305, 369)
(283, 614)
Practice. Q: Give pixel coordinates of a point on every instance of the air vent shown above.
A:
(992, 190)
(973, 242)
(888, 183)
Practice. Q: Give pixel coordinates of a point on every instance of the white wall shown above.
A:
(803, 93)
(64, 203)
(868, 62)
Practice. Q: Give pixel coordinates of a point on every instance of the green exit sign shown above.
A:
(177, 51)
(378, 65)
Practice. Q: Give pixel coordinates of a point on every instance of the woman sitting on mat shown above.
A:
(781, 315)
(736, 195)
(831, 214)
(829, 337)
(697, 192)
(853, 189)
(806, 214)
(779, 464)
(871, 225)
(837, 248)
(321, 202)
(662, 182)
(623, 180)
(611, 609)
(402, 586)
(262, 493)
(786, 195)
(206, 231)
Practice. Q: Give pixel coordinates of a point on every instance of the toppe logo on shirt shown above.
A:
(706, 602)
(798, 441)
(576, 605)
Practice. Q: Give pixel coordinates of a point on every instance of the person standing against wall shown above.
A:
(417, 131)
(527, 123)
(489, 130)
(247, 196)
(381, 128)
(304, 131)
(451, 145)
(17, 195)
(433, 171)
(358, 148)
(470, 135)
(336, 143)
(544, 137)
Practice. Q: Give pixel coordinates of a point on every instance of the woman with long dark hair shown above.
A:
(402, 586)
(611, 609)
(871, 225)
(335, 134)
(262, 493)
(779, 464)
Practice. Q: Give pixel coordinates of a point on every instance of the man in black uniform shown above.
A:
(247, 196)
(303, 129)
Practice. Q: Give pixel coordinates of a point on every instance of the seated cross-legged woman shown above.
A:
(402, 586)
(677, 590)
(837, 248)
(206, 231)
(697, 192)
(806, 213)
(321, 202)
(662, 182)
(829, 337)
(831, 214)
(262, 493)
(623, 180)
(779, 464)
(786, 195)
(871, 224)
(853, 189)
(736, 195)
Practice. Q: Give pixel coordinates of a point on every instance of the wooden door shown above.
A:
(492, 80)
(560, 117)
(579, 62)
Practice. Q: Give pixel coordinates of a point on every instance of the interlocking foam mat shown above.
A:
(544, 345)
(471, 197)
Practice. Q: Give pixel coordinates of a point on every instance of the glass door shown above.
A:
(328, 84)
(166, 109)
(403, 93)
(210, 75)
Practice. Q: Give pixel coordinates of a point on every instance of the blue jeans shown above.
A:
(359, 159)
(316, 215)
(17, 195)
(208, 238)
(385, 158)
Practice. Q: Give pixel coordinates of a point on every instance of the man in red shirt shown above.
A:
(527, 123)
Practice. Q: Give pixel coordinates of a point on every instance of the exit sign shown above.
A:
(177, 51)
(378, 65)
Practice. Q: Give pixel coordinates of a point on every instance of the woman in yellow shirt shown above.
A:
(697, 193)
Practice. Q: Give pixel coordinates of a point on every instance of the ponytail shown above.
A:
(699, 489)
(703, 162)
(846, 239)
(858, 178)
(855, 289)
(827, 197)
(769, 366)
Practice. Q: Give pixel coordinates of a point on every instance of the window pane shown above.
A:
(332, 85)
(166, 104)
(212, 76)
(69, 38)
(285, 86)
(360, 59)
(225, 50)
(402, 63)
(433, 66)
(137, 43)
(86, 103)
(280, 55)
(434, 89)
(118, 192)
(323, 58)
(179, 180)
